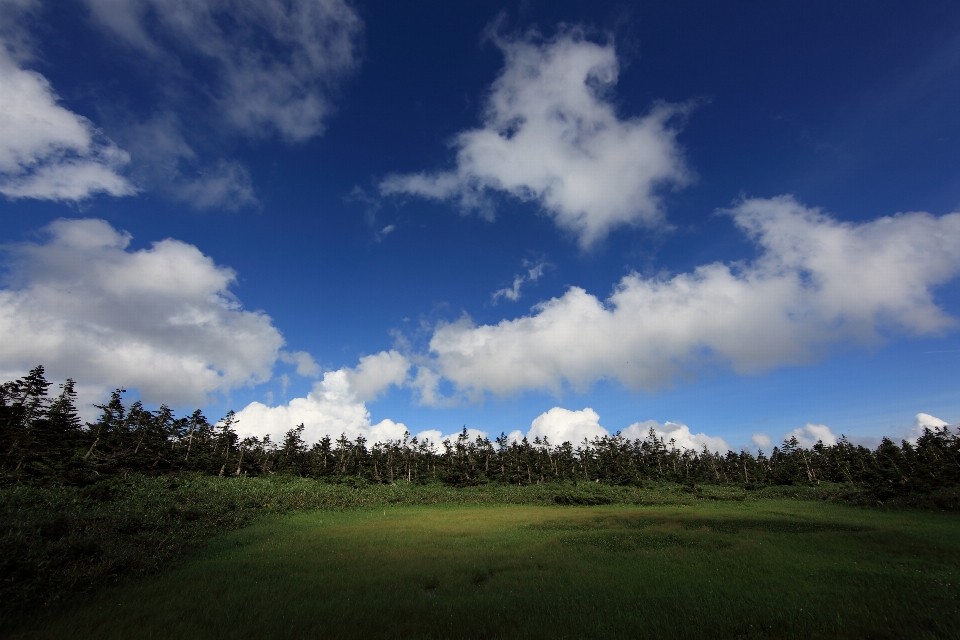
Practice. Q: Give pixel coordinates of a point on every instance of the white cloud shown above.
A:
(435, 437)
(376, 373)
(510, 293)
(816, 282)
(551, 135)
(810, 434)
(275, 62)
(332, 408)
(48, 152)
(515, 436)
(761, 440)
(562, 425)
(534, 271)
(924, 421)
(161, 320)
(432, 437)
(679, 433)
(427, 383)
(306, 365)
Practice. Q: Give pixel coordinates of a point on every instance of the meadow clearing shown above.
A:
(145, 525)
(754, 568)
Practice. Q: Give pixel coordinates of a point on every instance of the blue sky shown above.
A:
(373, 217)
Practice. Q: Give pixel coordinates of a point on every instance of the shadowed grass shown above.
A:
(58, 542)
(765, 568)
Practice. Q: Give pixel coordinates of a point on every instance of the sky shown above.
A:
(730, 222)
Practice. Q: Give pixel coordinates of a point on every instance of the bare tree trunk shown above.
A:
(193, 427)
(240, 461)
(810, 475)
(92, 447)
(140, 442)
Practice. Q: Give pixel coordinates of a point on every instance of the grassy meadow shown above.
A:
(766, 567)
(143, 524)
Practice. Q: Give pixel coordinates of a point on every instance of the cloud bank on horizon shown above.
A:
(333, 409)
(336, 405)
(559, 425)
(817, 282)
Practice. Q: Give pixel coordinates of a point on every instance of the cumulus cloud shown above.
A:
(551, 135)
(515, 436)
(435, 438)
(810, 434)
(924, 421)
(275, 62)
(761, 440)
(816, 282)
(306, 365)
(335, 406)
(432, 437)
(48, 152)
(161, 319)
(376, 373)
(677, 435)
(561, 425)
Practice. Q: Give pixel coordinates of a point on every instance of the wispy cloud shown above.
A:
(512, 293)
(165, 162)
(371, 209)
(274, 62)
(257, 69)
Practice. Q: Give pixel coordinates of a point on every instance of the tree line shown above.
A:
(44, 441)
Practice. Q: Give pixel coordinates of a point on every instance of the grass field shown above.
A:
(767, 568)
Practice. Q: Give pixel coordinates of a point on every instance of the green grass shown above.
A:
(59, 542)
(753, 568)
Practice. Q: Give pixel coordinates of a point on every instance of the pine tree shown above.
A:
(22, 403)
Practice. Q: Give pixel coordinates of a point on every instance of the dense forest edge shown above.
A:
(83, 505)
(45, 443)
